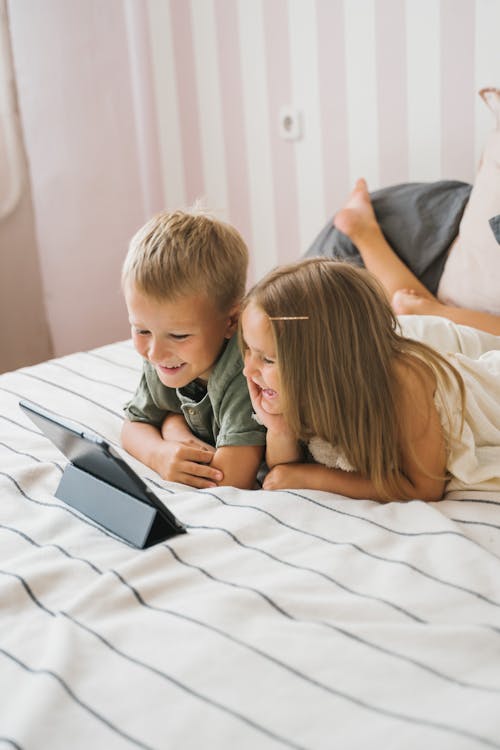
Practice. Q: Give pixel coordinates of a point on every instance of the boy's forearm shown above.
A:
(175, 427)
(143, 441)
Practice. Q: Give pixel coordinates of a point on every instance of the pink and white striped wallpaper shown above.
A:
(385, 88)
(129, 106)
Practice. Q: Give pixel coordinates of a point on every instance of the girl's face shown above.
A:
(260, 358)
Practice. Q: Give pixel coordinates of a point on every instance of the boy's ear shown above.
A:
(232, 320)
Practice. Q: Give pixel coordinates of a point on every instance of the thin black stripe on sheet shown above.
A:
(337, 628)
(260, 652)
(357, 547)
(95, 714)
(90, 379)
(11, 743)
(363, 551)
(400, 717)
(333, 542)
(291, 586)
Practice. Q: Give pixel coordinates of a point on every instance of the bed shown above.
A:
(290, 619)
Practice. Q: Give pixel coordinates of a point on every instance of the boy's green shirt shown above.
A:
(223, 417)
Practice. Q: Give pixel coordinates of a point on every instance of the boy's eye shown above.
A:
(141, 331)
(179, 336)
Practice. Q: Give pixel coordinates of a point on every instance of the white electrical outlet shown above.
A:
(290, 123)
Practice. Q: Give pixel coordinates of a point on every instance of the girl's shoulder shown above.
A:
(414, 376)
(421, 432)
(415, 399)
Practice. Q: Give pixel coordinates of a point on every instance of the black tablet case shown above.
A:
(102, 486)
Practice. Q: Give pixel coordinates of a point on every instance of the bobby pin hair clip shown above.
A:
(291, 317)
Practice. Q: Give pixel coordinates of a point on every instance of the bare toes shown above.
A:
(357, 214)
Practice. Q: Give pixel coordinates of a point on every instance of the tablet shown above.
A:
(91, 454)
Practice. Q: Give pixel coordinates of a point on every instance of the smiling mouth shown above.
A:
(267, 392)
(171, 369)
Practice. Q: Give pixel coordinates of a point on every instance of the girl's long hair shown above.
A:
(337, 367)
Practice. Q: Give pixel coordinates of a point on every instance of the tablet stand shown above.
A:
(126, 516)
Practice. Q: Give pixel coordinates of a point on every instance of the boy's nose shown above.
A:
(157, 352)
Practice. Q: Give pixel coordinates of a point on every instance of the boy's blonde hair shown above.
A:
(188, 252)
(337, 341)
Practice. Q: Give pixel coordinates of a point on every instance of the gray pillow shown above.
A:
(495, 226)
(420, 220)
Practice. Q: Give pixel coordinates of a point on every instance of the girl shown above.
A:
(383, 416)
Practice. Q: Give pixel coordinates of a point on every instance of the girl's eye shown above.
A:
(268, 361)
(179, 336)
(141, 332)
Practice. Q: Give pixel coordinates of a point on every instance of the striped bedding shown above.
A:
(281, 620)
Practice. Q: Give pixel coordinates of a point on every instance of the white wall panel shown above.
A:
(284, 183)
(256, 111)
(165, 84)
(306, 98)
(423, 65)
(362, 90)
(487, 71)
(209, 103)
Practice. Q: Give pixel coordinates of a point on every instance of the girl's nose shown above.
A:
(249, 366)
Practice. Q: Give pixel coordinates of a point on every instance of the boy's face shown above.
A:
(182, 339)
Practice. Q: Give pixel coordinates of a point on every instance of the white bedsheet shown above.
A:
(287, 619)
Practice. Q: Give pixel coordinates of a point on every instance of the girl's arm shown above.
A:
(348, 483)
(320, 477)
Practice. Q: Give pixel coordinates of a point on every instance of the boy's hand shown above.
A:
(185, 458)
(188, 463)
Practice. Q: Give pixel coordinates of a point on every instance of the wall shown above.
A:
(79, 67)
(24, 333)
(131, 105)
(387, 89)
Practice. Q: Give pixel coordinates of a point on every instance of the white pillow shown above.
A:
(471, 275)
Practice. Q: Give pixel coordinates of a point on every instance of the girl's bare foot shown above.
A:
(357, 218)
(358, 221)
(409, 302)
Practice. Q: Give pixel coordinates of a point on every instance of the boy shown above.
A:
(191, 417)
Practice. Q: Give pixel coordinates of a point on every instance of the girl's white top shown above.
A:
(473, 461)
(474, 456)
